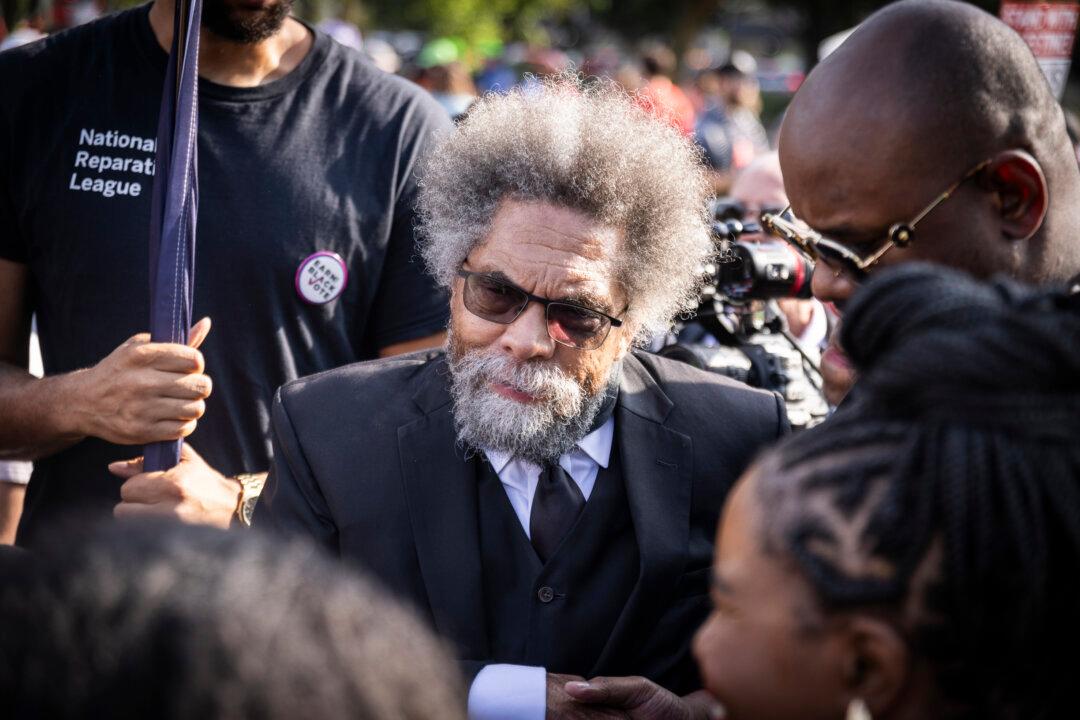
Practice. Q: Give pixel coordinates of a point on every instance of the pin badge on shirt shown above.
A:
(321, 278)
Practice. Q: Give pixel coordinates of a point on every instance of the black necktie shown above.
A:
(556, 505)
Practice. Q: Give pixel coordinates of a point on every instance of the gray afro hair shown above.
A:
(588, 147)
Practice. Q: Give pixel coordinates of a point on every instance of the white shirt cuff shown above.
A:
(509, 692)
(15, 471)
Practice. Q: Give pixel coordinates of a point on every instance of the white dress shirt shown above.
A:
(519, 692)
(816, 332)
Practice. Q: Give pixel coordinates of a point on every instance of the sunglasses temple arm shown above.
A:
(787, 232)
(864, 264)
(948, 192)
(929, 208)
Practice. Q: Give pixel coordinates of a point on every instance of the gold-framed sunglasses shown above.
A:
(836, 254)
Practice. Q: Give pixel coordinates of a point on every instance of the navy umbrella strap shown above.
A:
(175, 201)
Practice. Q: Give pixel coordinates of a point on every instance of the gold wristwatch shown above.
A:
(251, 485)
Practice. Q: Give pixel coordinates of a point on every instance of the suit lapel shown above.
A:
(657, 470)
(440, 488)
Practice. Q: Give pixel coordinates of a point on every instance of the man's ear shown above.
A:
(876, 664)
(1020, 185)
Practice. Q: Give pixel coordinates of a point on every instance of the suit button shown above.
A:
(545, 594)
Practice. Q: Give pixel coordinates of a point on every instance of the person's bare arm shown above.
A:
(431, 341)
(30, 425)
(11, 505)
(141, 392)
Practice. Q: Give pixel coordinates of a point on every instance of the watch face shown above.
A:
(247, 509)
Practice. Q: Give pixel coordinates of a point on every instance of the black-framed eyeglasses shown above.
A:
(568, 323)
(818, 247)
(726, 207)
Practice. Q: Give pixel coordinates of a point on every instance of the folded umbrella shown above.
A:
(175, 201)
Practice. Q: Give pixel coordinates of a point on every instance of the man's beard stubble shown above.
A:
(247, 27)
(538, 432)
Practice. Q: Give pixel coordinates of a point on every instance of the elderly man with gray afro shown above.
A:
(544, 493)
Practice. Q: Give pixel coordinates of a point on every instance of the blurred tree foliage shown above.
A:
(474, 21)
(483, 20)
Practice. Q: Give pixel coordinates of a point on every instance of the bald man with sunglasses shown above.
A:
(930, 135)
(541, 492)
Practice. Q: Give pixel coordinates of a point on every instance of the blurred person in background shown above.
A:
(443, 74)
(306, 162)
(627, 75)
(729, 128)
(604, 61)
(156, 619)
(930, 134)
(495, 77)
(914, 556)
(542, 62)
(760, 189)
(659, 94)
(741, 97)
(712, 133)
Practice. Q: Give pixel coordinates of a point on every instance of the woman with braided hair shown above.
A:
(918, 555)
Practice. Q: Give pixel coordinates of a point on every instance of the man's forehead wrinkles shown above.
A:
(565, 282)
(588, 245)
(571, 264)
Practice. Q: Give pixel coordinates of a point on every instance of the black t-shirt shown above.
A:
(323, 159)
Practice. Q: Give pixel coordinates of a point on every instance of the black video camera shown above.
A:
(739, 330)
(755, 270)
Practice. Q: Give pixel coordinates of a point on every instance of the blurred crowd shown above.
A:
(719, 106)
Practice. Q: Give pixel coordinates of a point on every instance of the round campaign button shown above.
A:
(321, 277)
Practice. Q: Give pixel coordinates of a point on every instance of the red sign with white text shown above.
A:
(1049, 30)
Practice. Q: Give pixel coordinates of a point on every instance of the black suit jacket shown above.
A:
(366, 463)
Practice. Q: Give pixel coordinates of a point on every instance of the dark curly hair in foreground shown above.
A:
(946, 495)
(159, 620)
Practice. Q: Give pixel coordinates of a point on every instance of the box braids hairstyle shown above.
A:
(946, 492)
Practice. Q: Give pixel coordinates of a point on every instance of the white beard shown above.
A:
(539, 431)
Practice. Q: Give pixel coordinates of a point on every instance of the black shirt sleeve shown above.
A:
(12, 245)
(408, 303)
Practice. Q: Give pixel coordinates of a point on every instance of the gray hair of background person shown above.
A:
(168, 621)
(587, 147)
